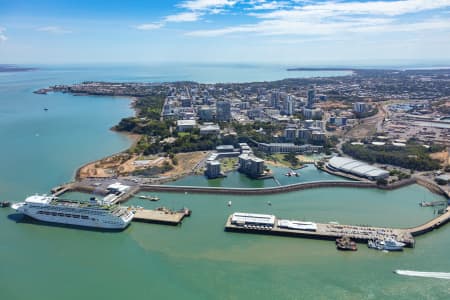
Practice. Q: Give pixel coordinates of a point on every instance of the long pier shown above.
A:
(359, 234)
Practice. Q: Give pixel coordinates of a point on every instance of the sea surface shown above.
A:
(197, 260)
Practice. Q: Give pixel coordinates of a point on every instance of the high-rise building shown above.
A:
(275, 99)
(288, 105)
(311, 97)
(223, 111)
(213, 169)
(290, 134)
(205, 113)
(361, 107)
(251, 165)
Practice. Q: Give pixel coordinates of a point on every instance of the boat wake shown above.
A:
(439, 275)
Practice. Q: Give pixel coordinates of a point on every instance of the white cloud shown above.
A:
(263, 5)
(53, 29)
(206, 4)
(149, 26)
(195, 10)
(183, 17)
(332, 17)
(390, 8)
(3, 37)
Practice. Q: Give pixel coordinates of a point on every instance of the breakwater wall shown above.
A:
(256, 191)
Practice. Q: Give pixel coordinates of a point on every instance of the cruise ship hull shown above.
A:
(73, 217)
(76, 223)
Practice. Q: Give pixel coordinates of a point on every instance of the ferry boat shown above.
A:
(389, 244)
(88, 214)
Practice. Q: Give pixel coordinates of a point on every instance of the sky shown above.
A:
(300, 32)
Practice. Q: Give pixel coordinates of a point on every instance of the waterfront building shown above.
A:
(223, 111)
(186, 125)
(358, 168)
(288, 148)
(245, 148)
(242, 219)
(117, 187)
(225, 148)
(213, 169)
(251, 165)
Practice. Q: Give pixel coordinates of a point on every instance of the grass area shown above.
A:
(228, 163)
(279, 158)
(181, 134)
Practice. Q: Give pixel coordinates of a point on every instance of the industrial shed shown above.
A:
(356, 167)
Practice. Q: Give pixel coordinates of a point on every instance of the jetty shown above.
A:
(160, 216)
(360, 234)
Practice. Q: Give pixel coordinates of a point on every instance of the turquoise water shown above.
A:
(197, 260)
(236, 179)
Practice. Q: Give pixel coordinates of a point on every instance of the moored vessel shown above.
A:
(5, 204)
(345, 244)
(70, 212)
(389, 244)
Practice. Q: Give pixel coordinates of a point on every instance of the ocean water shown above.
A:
(196, 260)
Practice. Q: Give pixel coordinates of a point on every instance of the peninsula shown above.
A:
(193, 128)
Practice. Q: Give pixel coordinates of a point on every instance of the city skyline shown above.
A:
(216, 31)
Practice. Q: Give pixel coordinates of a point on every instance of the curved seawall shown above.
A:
(256, 191)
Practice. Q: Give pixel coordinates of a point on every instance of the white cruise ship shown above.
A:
(89, 214)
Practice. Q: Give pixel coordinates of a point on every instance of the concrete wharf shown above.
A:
(359, 234)
(162, 216)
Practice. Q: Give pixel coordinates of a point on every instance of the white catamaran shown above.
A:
(89, 214)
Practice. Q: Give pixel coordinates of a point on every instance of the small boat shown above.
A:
(388, 244)
(345, 244)
(5, 204)
(229, 203)
(438, 275)
(151, 198)
(269, 203)
(45, 109)
(291, 173)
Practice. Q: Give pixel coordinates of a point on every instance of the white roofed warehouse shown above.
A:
(356, 167)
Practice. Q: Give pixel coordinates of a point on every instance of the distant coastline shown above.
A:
(323, 69)
(369, 69)
(14, 68)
